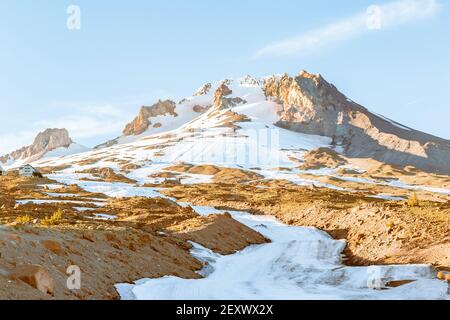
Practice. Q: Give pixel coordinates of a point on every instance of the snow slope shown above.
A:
(74, 148)
(299, 264)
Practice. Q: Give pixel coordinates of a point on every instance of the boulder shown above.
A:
(52, 246)
(36, 276)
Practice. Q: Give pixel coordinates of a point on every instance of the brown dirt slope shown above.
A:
(148, 239)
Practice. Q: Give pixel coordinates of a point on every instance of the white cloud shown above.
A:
(375, 18)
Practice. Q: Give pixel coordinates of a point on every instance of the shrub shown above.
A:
(37, 175)
(24, 219)
(413, 201)
(55, 218)
(390, 225)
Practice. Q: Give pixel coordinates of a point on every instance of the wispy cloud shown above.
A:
(375, 18)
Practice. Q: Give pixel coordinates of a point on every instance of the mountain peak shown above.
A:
(45, 143)
(312, 105)
(51, 139)
(142, 122)
(203, 90)
(249, 81)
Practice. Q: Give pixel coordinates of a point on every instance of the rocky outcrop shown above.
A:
(143, 121)
(312, 105)
(249, 81)
(203, 90)
(222, 99)
(200, 109)
(46, 141)
(36, 276)
(107, 144)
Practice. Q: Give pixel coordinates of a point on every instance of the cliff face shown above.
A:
(46, 141)
(143, 121)
(312, 105)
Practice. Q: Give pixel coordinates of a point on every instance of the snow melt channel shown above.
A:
(300, 263)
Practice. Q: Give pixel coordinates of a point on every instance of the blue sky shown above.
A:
(130, 53)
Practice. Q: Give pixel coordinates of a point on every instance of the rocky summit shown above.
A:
(46, 141)
(312, 105)
(142, 122)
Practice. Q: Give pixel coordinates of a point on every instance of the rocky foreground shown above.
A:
(149, 239)
(120, 240)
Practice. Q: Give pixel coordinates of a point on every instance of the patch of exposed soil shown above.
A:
(108, 174)
(406, 174)
(155, 213)
(224, 175)
(322, 158)
(210, 232)
(232, 175)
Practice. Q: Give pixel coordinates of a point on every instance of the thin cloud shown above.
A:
(375, 18)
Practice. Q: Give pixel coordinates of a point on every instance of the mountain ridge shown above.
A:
(308, 104)
(311, 105)
(305, 103)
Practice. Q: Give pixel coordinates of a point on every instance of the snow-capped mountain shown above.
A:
(306, 104)
(254, 123)
(47, 144)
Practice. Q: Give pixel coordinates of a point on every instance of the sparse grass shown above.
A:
(54, 219)
(390, 226)
(24, 219)
(413, 201)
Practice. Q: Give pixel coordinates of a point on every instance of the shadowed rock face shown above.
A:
(45, 141)
(143, 121)
(312, 105)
